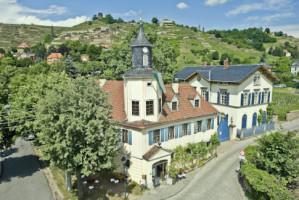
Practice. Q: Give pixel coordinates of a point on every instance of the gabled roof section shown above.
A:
(153, 151)
(141, 38)
(138, 72)
(23, 46)
(232, 74)
(295, 64)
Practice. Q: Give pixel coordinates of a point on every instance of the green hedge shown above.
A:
(263, 184)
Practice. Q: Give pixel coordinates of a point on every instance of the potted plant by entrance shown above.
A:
(172, 174)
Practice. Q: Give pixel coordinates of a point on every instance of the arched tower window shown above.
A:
(145, 60)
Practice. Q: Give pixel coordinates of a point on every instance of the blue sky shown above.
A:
(211, 14)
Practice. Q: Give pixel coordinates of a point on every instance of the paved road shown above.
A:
(218, 180)
(22, 177)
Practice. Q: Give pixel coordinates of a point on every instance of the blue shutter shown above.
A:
(213, 123)
(150, 138)
(204, 125)
(217, 120)
(218, 97)
(227, 98)
(263, 94)
(130, 137)
(264, 117)
(259, 98)
(244, 121)
(180, 130)
(162, 134)
(268, 96)
(242, 99)
(249, 98)
(195, 127)
(166, 134)
(189, 129)
(207, 96)
(176, 131)
(252, 102)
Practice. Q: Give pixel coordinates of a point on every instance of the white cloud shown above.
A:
(292, 29)
(277, 16)
(15, 13)
(245, 9)
(182, 5)
(252, 18)
(214, 2)
(130, 13)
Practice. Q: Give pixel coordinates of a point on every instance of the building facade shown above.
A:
(239, 92)
(153, 119)
(295, 68)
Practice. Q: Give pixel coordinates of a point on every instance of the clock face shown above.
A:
(145, 50)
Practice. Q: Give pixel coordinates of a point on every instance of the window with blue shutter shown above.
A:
(259, 101)
(189, 129)
(176, 131)
(249, 98)
(244, 121)
(268, 96)
(213, 123)
(252, 99)
(263, 94)
(166, 133)
(195, 127)
(150, 138)
(264, 117)
(180, 130)
(242, 99)
(218, 97)
(227, 98)
(207, 96)
(130, 137)
(204, 125)
(162, 134)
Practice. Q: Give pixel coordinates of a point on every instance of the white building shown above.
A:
(154, 119)
(295, 68)
(237, 91)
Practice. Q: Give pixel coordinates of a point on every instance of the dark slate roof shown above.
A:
(233, 74)
(295, 64)
(141, 39)
(138, 72)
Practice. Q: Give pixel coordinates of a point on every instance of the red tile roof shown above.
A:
(55, 55)
(1, 55)
(23, 46)
(86, 58)
(116, 97)
(185, 108)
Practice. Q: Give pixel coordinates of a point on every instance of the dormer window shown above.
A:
(196, 103)
(174, 105)
(257, 80)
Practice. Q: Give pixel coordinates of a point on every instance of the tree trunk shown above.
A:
(68, 179)
(80, 188)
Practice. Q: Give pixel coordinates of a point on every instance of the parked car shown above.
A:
(280, 86)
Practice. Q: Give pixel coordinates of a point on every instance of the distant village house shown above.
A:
(54, 58)
(26, 55)
(1, 55)
(295, 68)
(85, 58)
(22, 47)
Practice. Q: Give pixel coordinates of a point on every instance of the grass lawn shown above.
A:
(284, 100)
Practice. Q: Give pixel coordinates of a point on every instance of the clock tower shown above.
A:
(141, 50)
(143, 97)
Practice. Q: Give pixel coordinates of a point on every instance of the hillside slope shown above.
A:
(98, 32)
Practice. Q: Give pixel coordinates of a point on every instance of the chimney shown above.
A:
(175, 87)
(102, 82)
(211, 63)
(205, 63)
(225, 63)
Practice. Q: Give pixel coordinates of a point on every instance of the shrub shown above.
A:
(263, 184)
(173, 171)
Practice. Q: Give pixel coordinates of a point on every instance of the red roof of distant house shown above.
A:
(286, 51)
(1, 55)
(23, 46)
(105, 46)
(85, 57)
(185, 109)
(55, 55)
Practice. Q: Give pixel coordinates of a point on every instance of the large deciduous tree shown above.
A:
(74, 128)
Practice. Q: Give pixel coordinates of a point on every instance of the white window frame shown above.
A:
(223, 97)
